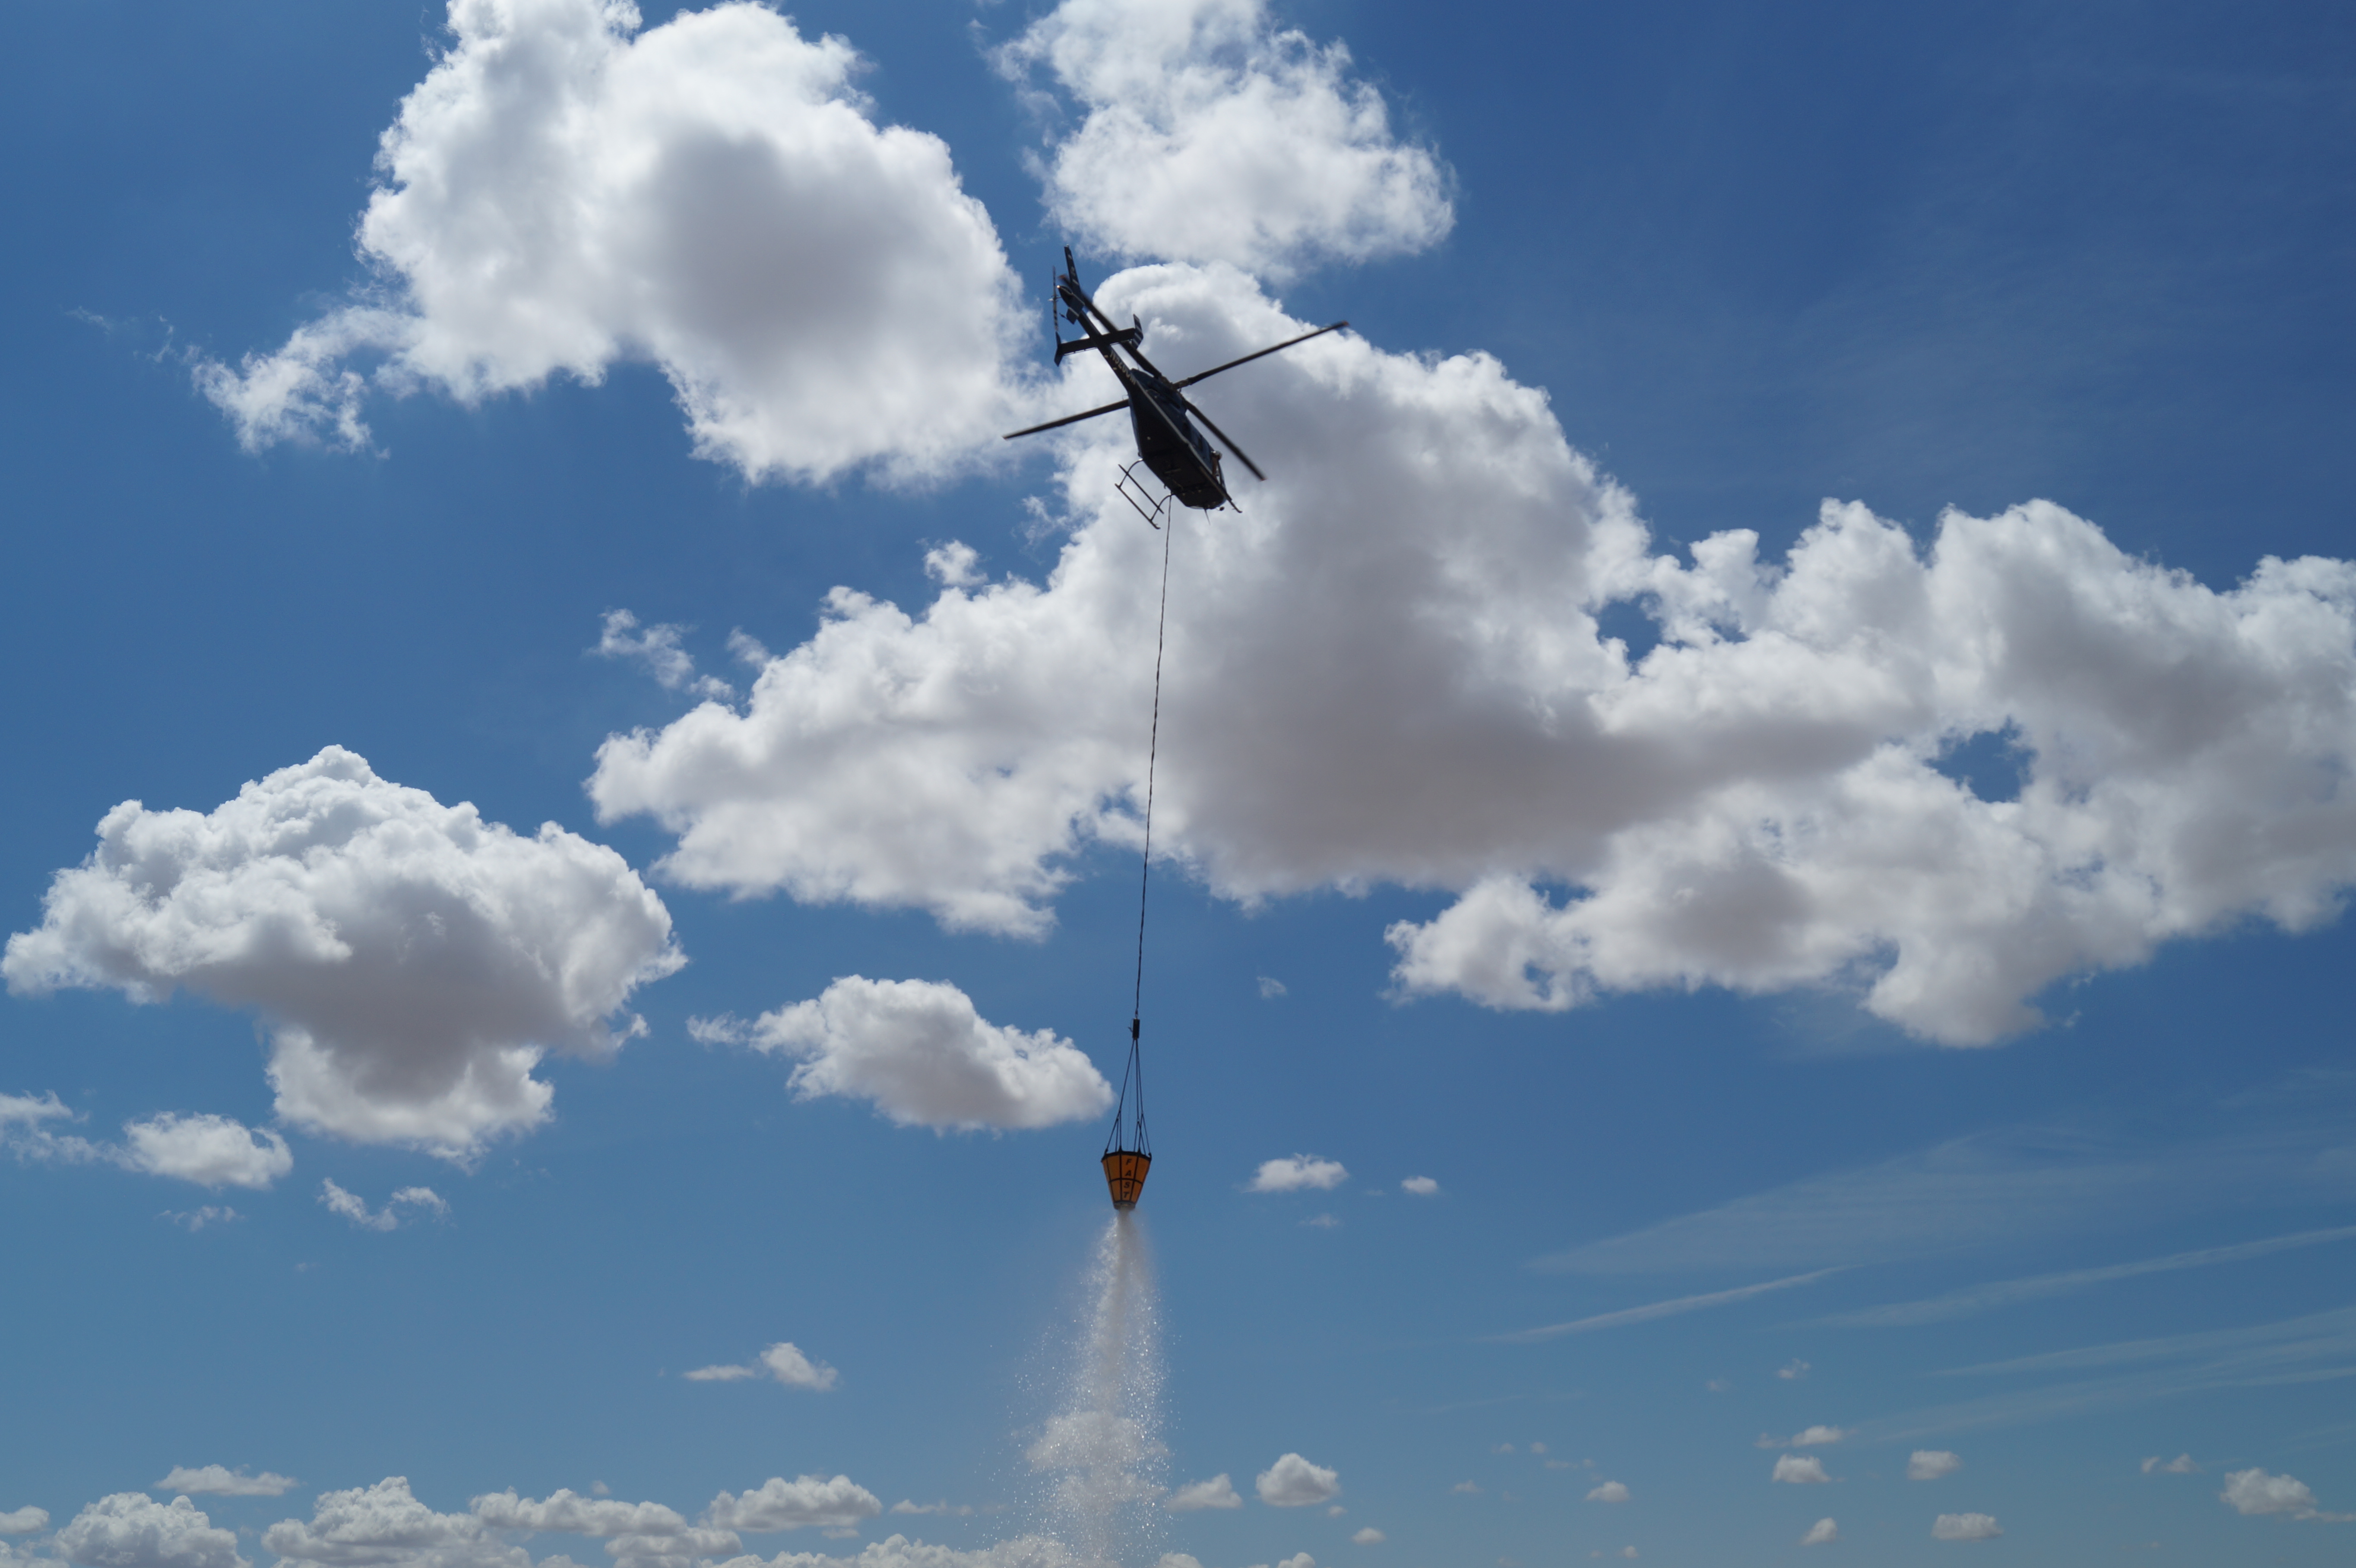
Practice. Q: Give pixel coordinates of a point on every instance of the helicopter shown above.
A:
(1167, 442)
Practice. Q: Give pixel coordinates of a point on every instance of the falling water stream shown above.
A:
(1102, 1453)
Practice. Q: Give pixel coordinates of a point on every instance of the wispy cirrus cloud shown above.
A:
(1975, 1299)
(1651, 1310)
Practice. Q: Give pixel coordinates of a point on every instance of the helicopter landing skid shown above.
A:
(1134, 491)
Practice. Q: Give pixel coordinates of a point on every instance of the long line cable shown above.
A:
(1145, 868)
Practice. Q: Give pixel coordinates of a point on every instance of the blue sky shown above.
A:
(1857, 999)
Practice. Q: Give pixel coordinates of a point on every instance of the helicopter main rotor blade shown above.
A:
(1206, 375)
(1067, 419)
(1224, 439)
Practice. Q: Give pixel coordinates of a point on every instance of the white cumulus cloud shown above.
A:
(385, 1526)
(1822, 1532)
(781, 1504)
(1800, 1470)
(657, 648)
(1207, 133)
(1218, 1492)
(919, 1053)
(24, 1520)
(1425, 1187)
(1369, 1536)
(2253, 1491)
(211, 1151)
(412, 961)
(1406, 613)
(1930, 1464)
(568, 1511)
(132, 1530)
(1300, 1173)
(222, 1481)
(2181, 1465)
(563, 192)
(1964, 1527)
(1609, 1492)
(1293, 1482)
(1808, 1437)
(899, 1551)
(352, 1206)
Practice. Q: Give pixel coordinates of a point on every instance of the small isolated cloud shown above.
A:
(222, 1481)
(1717, 1385)
(1964, 1527)
(1800, 1470)
(2253, 1491)
(195, 1220)
(1269, 989)
(960, 1511)
(1210, 134)
(2181, 1465)
(1302, 1173)
(781, 1504)
(1299, 1560)
(1630, 1552)
(657, 648)
(211, 1151)
(1609, 1492)
(1424, 1187)
(412, 962)
(1794, 1369)
(1808, 1437)
(1178, 1559)
(355, 1208)
(919, 1053)
(24, 1520)
(206, 1149)
(1321, 1223)
(1821, 1533)
(785, 1361)
(1930, 1464)
(1335, 1511)
(1468, 1489)
(1369, 1536)
(1216, 1492)
(132, 1530)
(1293, 1482)
(791, 1368)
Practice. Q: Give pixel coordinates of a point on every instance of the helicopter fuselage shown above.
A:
(1186, 463)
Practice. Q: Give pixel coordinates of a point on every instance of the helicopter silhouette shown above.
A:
(1159, 409)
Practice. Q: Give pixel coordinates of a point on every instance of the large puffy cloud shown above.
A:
(384, 1526)
(563, 192)
(22, 1521)
(1208, 134)
(919, 1053)
(1388, 668)
(132, 1530)
(779, 1504)
(414, 961)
